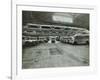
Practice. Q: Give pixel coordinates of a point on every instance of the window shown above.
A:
(33, 26)
(65, 19)
(46, 27)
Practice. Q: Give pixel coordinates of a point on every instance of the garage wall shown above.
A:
(79, 20)
(82, 20)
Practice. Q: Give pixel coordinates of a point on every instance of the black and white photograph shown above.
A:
(55, 39)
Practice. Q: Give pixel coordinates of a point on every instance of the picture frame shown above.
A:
(16, 70)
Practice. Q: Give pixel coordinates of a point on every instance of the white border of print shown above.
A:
(18, 73)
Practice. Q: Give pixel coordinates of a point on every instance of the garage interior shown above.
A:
(57, 54)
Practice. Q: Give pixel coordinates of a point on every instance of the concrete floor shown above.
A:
(55, 55)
